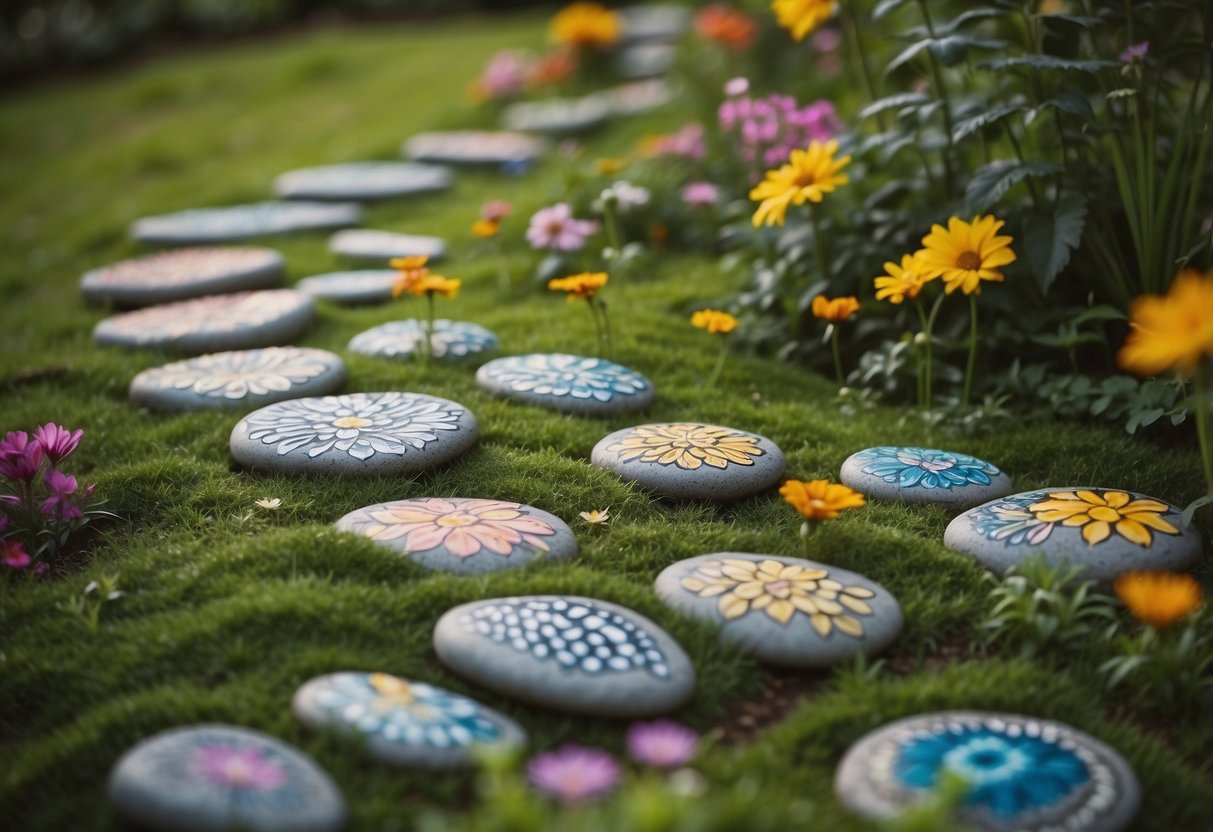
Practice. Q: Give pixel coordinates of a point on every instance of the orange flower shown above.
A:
(486, 229)
(554, 68)
(584, 286)
(820, 499)
(734, 29)
(1171, 331)
(714, 321)
(834, 310)
(412, 272)
(585, 24)
(1159, 599)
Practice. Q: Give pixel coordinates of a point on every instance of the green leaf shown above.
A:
(969, 126)
(906, 55)
(1049, 62)
(904, 99)
(1185, 519)
(992, 181)
(967, 17)
(952, 49)
(885, 7)
(1050, 239)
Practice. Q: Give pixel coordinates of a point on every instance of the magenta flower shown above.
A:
(57, 442)
(237, 768)
(574, 773)
(62, 487)
(556, 228)
(699, 194)
(1135, 53)
(495, 210)
(14, 556)
(662, 744)
(20, 457)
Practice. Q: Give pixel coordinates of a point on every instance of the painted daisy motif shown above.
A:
(464, 528)
(926, 467)
(215, 313)
(242, 373)
(451, 339)
(1099, 513)
(688, 446)
(557, 374)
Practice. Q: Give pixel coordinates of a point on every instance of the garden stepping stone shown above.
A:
(243, 222)
(351, 288)
(571, 654)
(475, 147)
(237, 321)
(692, 461)
(785, 611)
(451, 340)
(557, 116)
(207, 778)
(646, 60)
(637, 97)
(462, 535)
(362, 181)
(659, 22)
(924, 475)
(182, 274)
(568, 383)
(403, 722)
(382, 246)
(238, 379)
(1024, 774)
(354, 434)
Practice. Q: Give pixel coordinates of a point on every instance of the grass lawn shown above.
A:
(230, 608)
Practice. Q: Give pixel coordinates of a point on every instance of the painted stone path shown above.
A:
(568, 383)
(475, 147)
(452, 340)
(362, 181)
(924, 475)
(382, 246)
(183, 274)
(351, 288)
(558, 117)
(243, 222)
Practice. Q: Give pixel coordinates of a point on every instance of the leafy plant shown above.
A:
(1165, 670)
(86, 607)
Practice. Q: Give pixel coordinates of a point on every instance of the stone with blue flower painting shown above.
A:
(568, 383)
(1102, 531)
(924, 475)
(374, 246)
(244, 222)
(362, 181)
(567, 653)
(404, 722)
(206, 778)
(1023, 774)
(450, 340)
(359, 287)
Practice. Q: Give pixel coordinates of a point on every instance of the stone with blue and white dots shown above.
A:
(451, 340)
(572, 654)
(568, 383)
(925, 475)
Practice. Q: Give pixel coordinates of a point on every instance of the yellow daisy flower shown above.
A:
(1171, 331)
(714, 321)
(901, 282)
(583, 286)
(1159, 599)
(585, 24)
(1100, 514)
(688, 446)
(808, 176)
(965, 254)
(820, 499)
(801, 17)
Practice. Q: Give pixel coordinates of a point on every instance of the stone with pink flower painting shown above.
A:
(467, 536)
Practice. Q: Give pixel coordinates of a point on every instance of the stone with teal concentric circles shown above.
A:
(924, 475)
(450, 340)
(567, 383)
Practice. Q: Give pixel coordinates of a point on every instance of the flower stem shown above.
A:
(428, 352)
(597, 324)
(1202, 427)
(922, 350)
(823, 256)
(837, 355)
(964, 397)
(930, 330)
(611, 221)
(942, 92)
(503, 268)
(606, 327)
(860, 55)
(806, 532)
(715, 376)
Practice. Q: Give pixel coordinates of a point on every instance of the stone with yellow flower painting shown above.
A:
(1105, 531)
(785, 611)
(692, 461)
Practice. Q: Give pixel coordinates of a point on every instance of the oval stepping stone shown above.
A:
(403, 722)
(461, 535)
(205, 778)
(568, 383)
(474, 147)
(238, 378)
(243, 222)
(351, 288)
(646, 60)
(786, 611)
(1104, 531)
(182, 274)
(658, 21)
(355, 434)
(382, 246)
(242, 320)
(400, 339)
(362, 181)
(924, 475)
(638, 97)
(1024, 774)
(578, 655)
(692, 461)
(560, 116)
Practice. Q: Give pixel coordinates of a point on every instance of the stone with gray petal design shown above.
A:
(182, 274)
(381, 246)
(244, 222)
(568, 383)
(351, 288)
(557, 116)
(571, 654)
(475, 147)
(451, 340)
(363, 181)
(924, 475)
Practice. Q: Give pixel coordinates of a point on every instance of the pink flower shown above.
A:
(41, 568)
(574, 773)
(14, 556)
(662, 744)
(507, 73)
(237, 768)
(556, 228)
(826, 40)
(700, 194)
(57, 442)
(20, 458)
(464, 528)
(736, 86)
(495, 210)
(688, 142)
(62, 487)
(1135, 53)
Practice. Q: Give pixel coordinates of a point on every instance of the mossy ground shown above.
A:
(229, 607)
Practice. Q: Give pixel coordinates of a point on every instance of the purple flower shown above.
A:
(1135, 53)
(237, 768)
(14, 556)
(56, 441)
(19, 457)
(662, 744)
(574, 773)
(737, 86)
(41, 568)
(557, 228)
(700, 194)
(62, 487)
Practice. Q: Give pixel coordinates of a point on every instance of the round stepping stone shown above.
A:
(400, 339)
(660, 22)
(243, 222)
(206, 778)
(183, 274)
(577, 655)
(362, 181)
(382, 246)
(568, 383)
(355, 434)
(242, 320)
(562, 117)
(351, 288)
(474, 147)
(638, 97)
(462, 535)
(403, 722)
(1104, 531)
(646, 60)
(924, 475)
(238, 379)
(785, 611)
(692, 461)
(1024, 774)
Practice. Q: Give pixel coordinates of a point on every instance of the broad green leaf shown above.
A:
(968, 17)
(904, 99)
(1189, 513)
(952, 49)
(884, 7)
(969, 126)
(1049, 239)
(1049, 62)
(992, 181)
(906, 55)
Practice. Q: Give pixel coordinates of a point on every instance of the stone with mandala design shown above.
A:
(1023, 774)
(786, 611)
(1104, 531)
(451, 340)
(924, 475)
(404, 722)
(462, 535)
(571, 654)
(692, 461)
(183, 274)
(360, 434)
(568, 383)
(243, 222)
(203, 778)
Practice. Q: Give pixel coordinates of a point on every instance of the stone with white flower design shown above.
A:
(924, 475)
(692, 461)
(243, 222)
(363, 181)
(786, 611)
(451, 340)
(405, 722)
(351, 288)
(475, 147)
(355, 434)
(239, 378)
(381, 246)
(1021, 773)
(237, 321)
(206, 778)
(568, 383)
(557, 116)
(183, 274)
(571, 654)
(467, 536)
(1103, 531)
